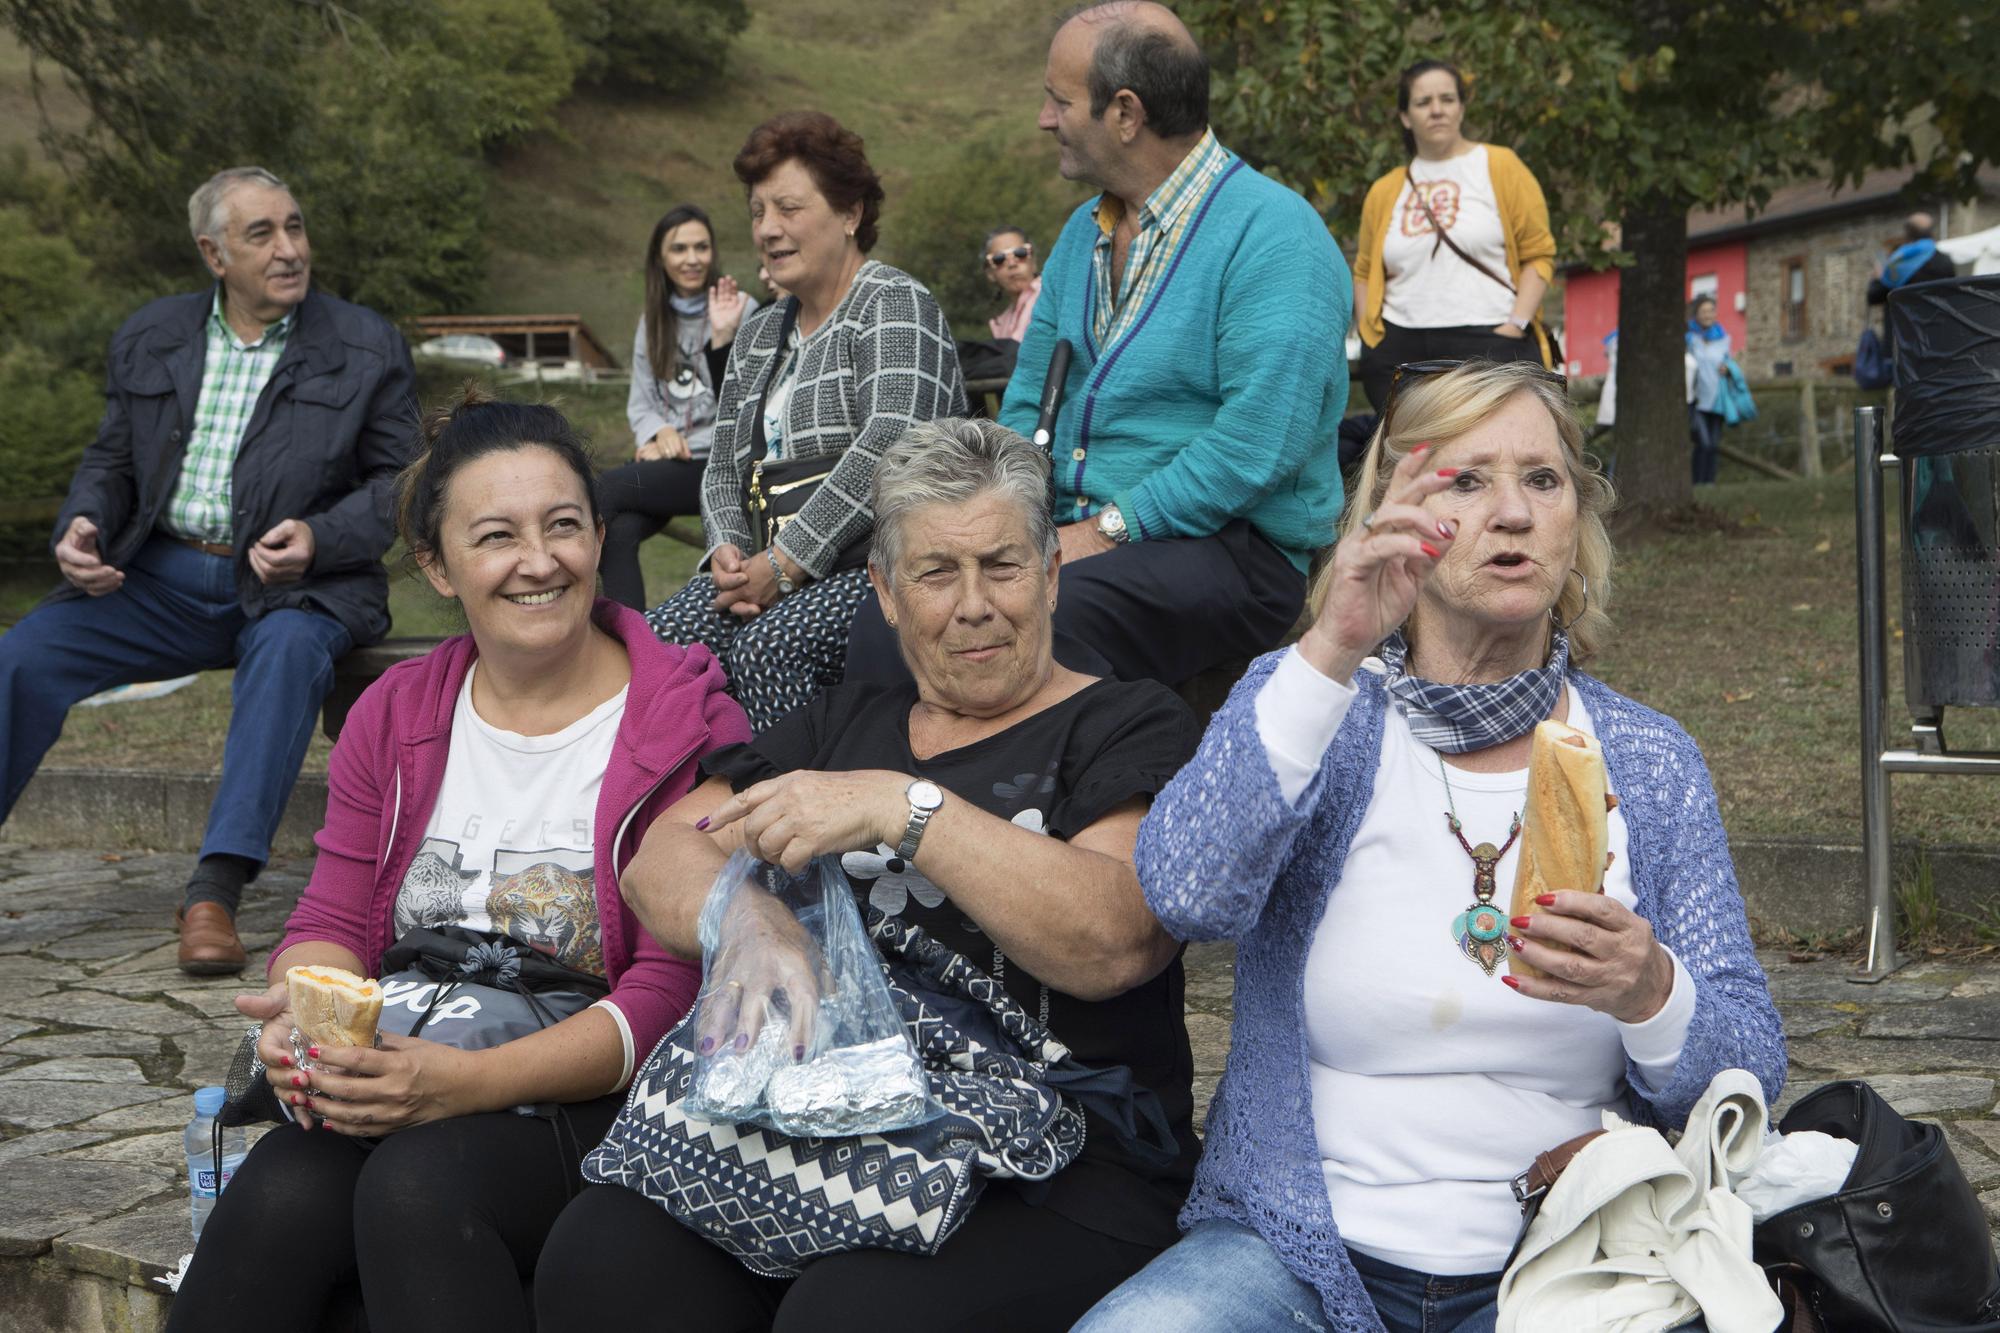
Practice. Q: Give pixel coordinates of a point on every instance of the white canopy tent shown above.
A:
(1974, 254)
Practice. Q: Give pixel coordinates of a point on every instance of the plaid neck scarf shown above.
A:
(1459, 718)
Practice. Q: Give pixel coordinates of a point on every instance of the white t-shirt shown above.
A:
(1433, 1084)
(1429, 287)
(510, 843)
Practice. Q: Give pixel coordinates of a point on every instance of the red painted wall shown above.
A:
(1590, 303)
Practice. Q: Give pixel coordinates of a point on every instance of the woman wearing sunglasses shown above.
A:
(1455, 250)
(1009, 261)
(1350, 809)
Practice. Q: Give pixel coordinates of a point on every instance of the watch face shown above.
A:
(925, 795)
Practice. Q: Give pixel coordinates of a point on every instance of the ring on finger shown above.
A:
(1368, 521)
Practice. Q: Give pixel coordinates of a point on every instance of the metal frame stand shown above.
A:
(1927, 753)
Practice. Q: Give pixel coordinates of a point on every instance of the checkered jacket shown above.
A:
(883, 361)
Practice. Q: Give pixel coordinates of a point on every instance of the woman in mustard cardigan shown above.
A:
(1455, 250)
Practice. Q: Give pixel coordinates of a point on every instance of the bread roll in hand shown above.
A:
(333, 1007)
(1565, 831)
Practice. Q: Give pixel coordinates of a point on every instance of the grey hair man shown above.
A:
(1917, 259)
(1195, 462)
(233, 511)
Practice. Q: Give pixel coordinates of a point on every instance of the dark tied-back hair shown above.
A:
(1408, 78)
(663, 322)
(830, 153)
(1169, 77)
(457, 433)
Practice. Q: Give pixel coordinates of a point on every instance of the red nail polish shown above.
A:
(1520, 922)
(1510, 983)
(298, 1081)
(1420, 449)
(701, 825)
(1545, 900)
(1429, 550)
(1444, 530)
(1516, 943)
(312, 1052)
(1447, 472)
(285, 1060)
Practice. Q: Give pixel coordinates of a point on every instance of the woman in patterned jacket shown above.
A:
(837, 371)
(1348, 818)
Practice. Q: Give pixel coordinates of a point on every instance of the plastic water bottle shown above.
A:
(204, 1180)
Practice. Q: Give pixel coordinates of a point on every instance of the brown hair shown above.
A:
(468, 427)
(831, 154)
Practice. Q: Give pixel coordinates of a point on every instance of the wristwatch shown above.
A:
(925, 798)
(785, 586)
(1111, 524)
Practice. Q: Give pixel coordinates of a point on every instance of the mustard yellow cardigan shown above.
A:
(1524, 215)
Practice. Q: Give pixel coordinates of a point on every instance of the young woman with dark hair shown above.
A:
(678, 356)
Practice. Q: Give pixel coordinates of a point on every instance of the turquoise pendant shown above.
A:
(1481, 931)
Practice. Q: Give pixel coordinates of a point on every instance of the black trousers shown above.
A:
(617, 1261)
(636, 501)
(1159, 610)
(1705, 432)
(439, 1223)
(1398, 345)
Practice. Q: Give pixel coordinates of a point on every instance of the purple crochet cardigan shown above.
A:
(1223, 856)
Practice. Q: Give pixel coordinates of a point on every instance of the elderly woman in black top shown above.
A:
(1038, 777)
(836, 371)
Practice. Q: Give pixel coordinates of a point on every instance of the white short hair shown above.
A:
(950, 460)
(205, 211)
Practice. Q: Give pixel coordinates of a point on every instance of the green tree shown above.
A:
(934, 227)
(1631, 113)
(377, 113)
(670, 45)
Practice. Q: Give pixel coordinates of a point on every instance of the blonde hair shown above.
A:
(1439, 409)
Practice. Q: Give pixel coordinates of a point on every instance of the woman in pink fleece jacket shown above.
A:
(498, 785)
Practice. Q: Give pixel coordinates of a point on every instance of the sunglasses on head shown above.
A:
(1411, 371)
(1000, 257)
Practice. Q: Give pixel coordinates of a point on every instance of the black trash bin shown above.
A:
(1947, 431)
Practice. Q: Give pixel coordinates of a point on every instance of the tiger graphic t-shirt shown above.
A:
(509, 845)
(1430, 287)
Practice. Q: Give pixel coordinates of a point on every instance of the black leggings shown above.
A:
(636, 501)
(440, 1223)
(617, 1261)
(1398, 345)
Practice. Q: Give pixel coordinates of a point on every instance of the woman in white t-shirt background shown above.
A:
(496, 787)
(1455, 250)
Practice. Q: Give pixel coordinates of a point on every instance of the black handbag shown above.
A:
(1902, 1247)
(778, 491)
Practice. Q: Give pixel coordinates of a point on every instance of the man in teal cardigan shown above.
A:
(1195, 461)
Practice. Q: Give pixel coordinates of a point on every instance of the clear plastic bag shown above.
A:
(795, 1028)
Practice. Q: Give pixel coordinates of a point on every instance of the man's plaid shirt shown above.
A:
(233, 376)
(1163, 220)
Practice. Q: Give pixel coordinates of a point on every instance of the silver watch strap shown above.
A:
(913, 832)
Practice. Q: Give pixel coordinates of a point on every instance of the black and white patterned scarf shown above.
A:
(1459, 718)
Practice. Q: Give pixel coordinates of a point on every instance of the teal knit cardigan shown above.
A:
(1222, 399)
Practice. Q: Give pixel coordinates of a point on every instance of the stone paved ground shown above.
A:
(102, 1041)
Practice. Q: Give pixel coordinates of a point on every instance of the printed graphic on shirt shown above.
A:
(545, 898)
(549, 899)
(1442, 196)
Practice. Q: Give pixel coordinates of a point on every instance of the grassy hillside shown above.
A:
(918, 79)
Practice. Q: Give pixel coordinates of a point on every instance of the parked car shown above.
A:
(464, 347)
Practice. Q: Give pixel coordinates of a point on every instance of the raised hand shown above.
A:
(725, 311)
(1378, 570)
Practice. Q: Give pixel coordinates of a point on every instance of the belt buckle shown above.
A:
(1524, 1195)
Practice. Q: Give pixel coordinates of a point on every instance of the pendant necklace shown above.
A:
(1480, 930)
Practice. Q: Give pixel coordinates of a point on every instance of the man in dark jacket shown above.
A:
(233, 510)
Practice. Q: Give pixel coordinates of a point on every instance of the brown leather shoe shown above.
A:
(209, 947)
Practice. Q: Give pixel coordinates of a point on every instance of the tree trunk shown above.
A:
(1654, 453)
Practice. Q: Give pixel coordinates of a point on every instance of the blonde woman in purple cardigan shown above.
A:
(1351, 809)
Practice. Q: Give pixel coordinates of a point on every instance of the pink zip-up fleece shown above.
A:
(388, 767)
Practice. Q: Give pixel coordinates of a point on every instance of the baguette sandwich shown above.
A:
(1565, 830)
(333, 1007)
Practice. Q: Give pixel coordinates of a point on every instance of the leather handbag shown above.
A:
(1903, 1247)
(776, 492)
(777, 1202)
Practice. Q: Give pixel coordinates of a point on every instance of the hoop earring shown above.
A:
(1554, 610)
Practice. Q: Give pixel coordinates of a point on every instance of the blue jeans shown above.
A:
(176, 612)
(1223, 1276)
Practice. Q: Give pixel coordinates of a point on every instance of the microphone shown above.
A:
(1052, 395)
